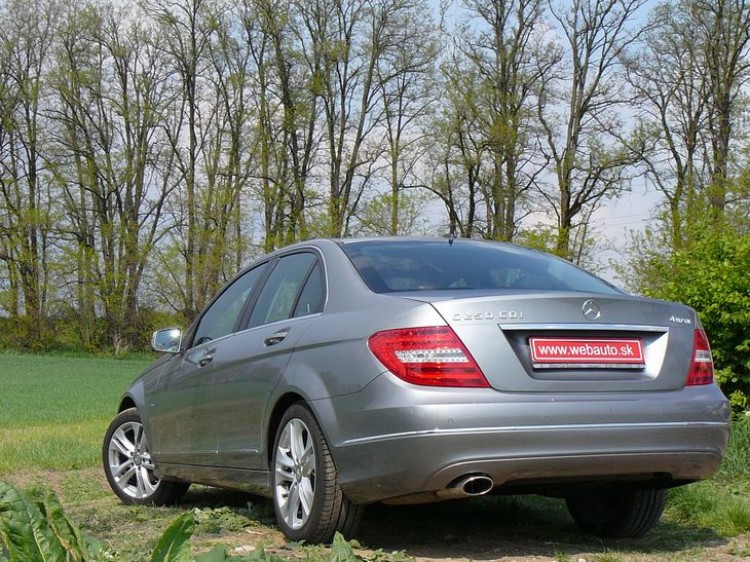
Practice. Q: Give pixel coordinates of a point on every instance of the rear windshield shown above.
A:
(398, 266)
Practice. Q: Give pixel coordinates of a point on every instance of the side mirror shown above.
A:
(167, 341)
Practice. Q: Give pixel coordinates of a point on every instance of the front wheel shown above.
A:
(624, 513)
(128, 464)
(307, 499)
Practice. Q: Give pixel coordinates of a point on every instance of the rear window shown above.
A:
(400, 266)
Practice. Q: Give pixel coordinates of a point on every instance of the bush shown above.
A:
(712, 276)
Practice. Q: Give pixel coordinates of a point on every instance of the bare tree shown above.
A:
(725, 39)
(112, 91)
(456, 159)
(511, 57)
(27, 31)
(672, 89)
(578, 110)
(188, 27)
(228, 155)
(688, 77)
(288, 113)
(406, 74)
(344, 43)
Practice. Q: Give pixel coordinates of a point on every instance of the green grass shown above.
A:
(54, 409)
(736, 464)
(722, 503)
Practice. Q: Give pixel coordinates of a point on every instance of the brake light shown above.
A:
(430, 356)
(702, 366)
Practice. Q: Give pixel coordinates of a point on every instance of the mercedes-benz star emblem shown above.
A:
(591, 310)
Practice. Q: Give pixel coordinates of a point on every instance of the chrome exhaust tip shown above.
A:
(468, 486)
(477, 485)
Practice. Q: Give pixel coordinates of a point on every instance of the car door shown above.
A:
(183, 431)
(290, 300)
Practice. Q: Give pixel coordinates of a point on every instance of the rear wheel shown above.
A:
(623, 513)
(307, 499)
(129, 467)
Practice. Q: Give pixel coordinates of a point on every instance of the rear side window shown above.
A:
(399, 266)
(279, 296)
(313, 294)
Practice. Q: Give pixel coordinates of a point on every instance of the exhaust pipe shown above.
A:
(467, 486)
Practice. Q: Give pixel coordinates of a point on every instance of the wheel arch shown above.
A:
(126, 403)
(134, 398)
(284, 402)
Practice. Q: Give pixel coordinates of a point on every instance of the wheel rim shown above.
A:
(130, 462)
(295, 473)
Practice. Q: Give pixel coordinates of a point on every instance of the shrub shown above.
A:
(711, 276)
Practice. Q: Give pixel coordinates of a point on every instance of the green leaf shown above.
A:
(67, 534)
(341, 551)
(174, 545)
(25, 531)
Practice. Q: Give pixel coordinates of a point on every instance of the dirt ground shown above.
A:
(503, 529)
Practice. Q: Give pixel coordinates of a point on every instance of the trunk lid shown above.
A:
(558, 342)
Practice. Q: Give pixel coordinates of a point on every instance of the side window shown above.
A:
(279, 294)
(221, 316)
(313, 294)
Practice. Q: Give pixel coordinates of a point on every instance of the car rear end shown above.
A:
(515, 381)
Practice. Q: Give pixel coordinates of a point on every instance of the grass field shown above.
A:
(54, 412)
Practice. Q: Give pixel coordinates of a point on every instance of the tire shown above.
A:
(128, 464)
(307, 499)
(624, 513)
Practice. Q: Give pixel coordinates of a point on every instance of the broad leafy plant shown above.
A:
(41, 532)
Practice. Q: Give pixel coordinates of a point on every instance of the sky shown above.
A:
(615, 223)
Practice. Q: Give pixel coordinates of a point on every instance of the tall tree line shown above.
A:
(147, 151)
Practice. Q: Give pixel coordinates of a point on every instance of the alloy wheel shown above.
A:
(130, 462)
(295, 473)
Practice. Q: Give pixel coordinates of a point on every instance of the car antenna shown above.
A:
(451, 234)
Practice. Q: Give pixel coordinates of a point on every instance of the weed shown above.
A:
(81, 487)
(393, 556)
(736, 464)
(342, 551)
(221, 519)
(36, 491)
(707, 504)
(607, 557)
(32, 530)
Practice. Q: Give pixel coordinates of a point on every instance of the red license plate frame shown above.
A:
(569, 352)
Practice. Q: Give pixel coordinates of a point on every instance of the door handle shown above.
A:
(278, 337)
(206, 359)
(201, 357)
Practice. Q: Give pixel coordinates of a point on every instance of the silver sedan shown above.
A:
(336, 373)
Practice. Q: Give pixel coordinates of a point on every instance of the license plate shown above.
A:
(560, 353)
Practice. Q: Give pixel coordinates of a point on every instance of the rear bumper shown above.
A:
(425, 439)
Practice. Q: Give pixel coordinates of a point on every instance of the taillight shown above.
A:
(702, 366)
(432, 356)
